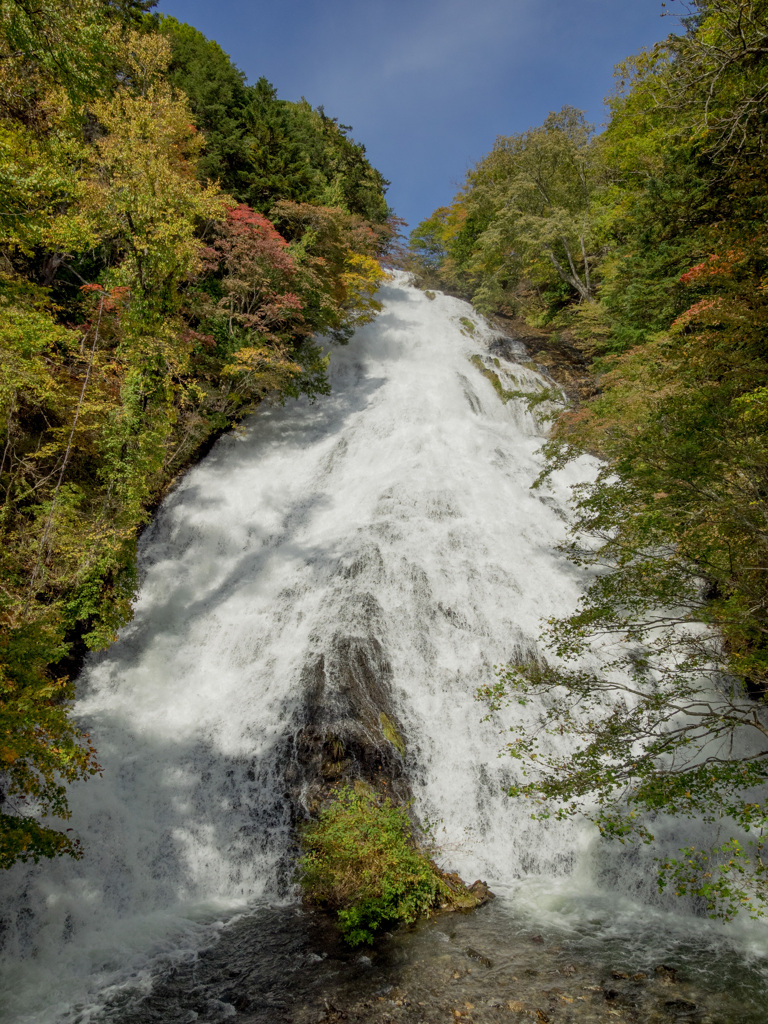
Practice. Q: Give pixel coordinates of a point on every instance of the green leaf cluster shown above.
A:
(262, 149)
(361, 861)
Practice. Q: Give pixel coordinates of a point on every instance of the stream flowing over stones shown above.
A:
(321, 597)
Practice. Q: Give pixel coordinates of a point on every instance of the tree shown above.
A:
(675, 527)
(428, 241)
(541, 186)
(262, 149)
(336, 253)
(261, 336)
(647, 734)
(219, 100)
(41, 749)
(258, 274)
(143, 195)
(720, 74)
(49, 41)
(527, 212)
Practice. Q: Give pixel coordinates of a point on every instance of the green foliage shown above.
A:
(52, 42)
(391, 733)
(218, 96)
(335, 252)
(720, 76)
(40, 748)
(554, 216)
(674, 524)
(524, 214)
(361, 861)
(261, 149)
(651, 731)
(429, 240)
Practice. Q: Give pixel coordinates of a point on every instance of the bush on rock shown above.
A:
(360, 859)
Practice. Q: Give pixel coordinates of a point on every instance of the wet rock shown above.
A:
(474, 955)
(679, 1006)
(619, 975)
(348, 731)
(666, 975)
(555, 353)
(640, 976)
(481, 892)
(347, 734)
(461, 896)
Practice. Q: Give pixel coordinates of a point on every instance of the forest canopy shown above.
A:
(643, 248)
(172, 242)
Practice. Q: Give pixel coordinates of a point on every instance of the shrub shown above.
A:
(360, 860)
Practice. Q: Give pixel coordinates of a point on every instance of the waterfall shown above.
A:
(388, 530)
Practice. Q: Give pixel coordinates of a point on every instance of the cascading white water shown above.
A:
(398, 511)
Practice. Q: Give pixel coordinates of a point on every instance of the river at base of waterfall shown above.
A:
(497, 965)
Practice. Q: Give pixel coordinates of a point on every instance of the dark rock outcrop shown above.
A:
(350, 732)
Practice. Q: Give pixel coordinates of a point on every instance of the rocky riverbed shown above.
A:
(287, 966)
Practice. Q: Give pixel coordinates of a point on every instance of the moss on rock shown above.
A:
(391, 734)
(498, 387)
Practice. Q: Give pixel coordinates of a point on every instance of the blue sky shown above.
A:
(427, 85)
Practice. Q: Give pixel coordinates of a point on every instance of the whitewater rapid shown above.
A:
(398, 511)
